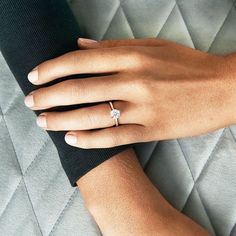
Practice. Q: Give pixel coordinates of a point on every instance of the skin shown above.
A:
(164, 90)
(129, 204)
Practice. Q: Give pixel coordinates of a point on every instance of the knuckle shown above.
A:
(74, 57)
(131, 57)
(91, 119)
(136, 57)
(113, 140)
(137, 135)
(139, 56)
(76, 87)
(81, 86)
(165, 128)
(50, 122)
(45, 69)
(82, 142)
(111, 43)
(142, 86)
(37, 97)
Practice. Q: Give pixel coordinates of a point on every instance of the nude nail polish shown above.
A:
(84, 40)
(41, 121)
(33, 76)
(71, 139)
(29, 100)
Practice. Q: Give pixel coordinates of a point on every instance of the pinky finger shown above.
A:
(106, 138)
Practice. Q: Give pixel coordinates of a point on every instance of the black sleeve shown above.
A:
(30, 33)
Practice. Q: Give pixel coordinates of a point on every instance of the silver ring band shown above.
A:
(115, 113)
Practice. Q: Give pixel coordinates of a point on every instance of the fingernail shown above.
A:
(41, 121)
(33, 75)
(84, 40)
(29, 100)
(71, 139)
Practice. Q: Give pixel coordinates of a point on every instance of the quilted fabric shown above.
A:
(197, 175)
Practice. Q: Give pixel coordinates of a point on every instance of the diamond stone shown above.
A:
(115, 114)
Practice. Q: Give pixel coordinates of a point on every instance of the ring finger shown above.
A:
(86, 118)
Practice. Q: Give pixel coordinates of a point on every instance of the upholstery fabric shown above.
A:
(197, 175)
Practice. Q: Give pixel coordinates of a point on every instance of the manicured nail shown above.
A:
(71, 139)
(29, 100)
(41, 121)
(87, 40)
(33, 75)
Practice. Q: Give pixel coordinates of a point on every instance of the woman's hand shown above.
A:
(164, 90)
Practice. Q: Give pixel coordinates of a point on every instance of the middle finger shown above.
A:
(79, 91)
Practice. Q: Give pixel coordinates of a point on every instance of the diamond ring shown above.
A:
(115, 113)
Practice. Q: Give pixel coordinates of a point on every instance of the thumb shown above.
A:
(84, 43)
(92, 44)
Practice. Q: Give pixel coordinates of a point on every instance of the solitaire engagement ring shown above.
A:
(115, 113)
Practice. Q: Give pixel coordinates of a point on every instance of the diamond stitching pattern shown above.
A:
(232, 231)
(185, 23)
(152, 155)
(23, 182)
(167, 19)
(63, 211)
(3, 211)
(220, 28)
(11, 103)
(194, 185)
(133, 36)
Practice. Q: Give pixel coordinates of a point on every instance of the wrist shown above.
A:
(123, 201)
(119, 184)
(104, 178)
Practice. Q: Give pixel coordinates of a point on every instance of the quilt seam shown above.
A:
(22, 176)
(230, 234)
(103, 35)
(13, 194)
(204, 168)
(223, 23)
(194, 185)
(30, 166)
(150, 157)
(63, 211)
(210, 156)
(185, 23)
(232, 134)
(11, 103)
(200, 198)
(122, 8)
(175, 5)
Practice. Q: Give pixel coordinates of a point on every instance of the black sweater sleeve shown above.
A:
(30, 33)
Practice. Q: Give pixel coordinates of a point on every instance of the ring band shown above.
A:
(115, 113)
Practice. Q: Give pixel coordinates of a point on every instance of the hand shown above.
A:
(164, 90)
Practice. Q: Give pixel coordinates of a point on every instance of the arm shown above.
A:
(123, 201)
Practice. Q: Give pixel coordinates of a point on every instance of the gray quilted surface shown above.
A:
(196, 175)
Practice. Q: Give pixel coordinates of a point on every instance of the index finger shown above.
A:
(102, 60)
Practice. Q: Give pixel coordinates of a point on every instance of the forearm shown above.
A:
(123, 201)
